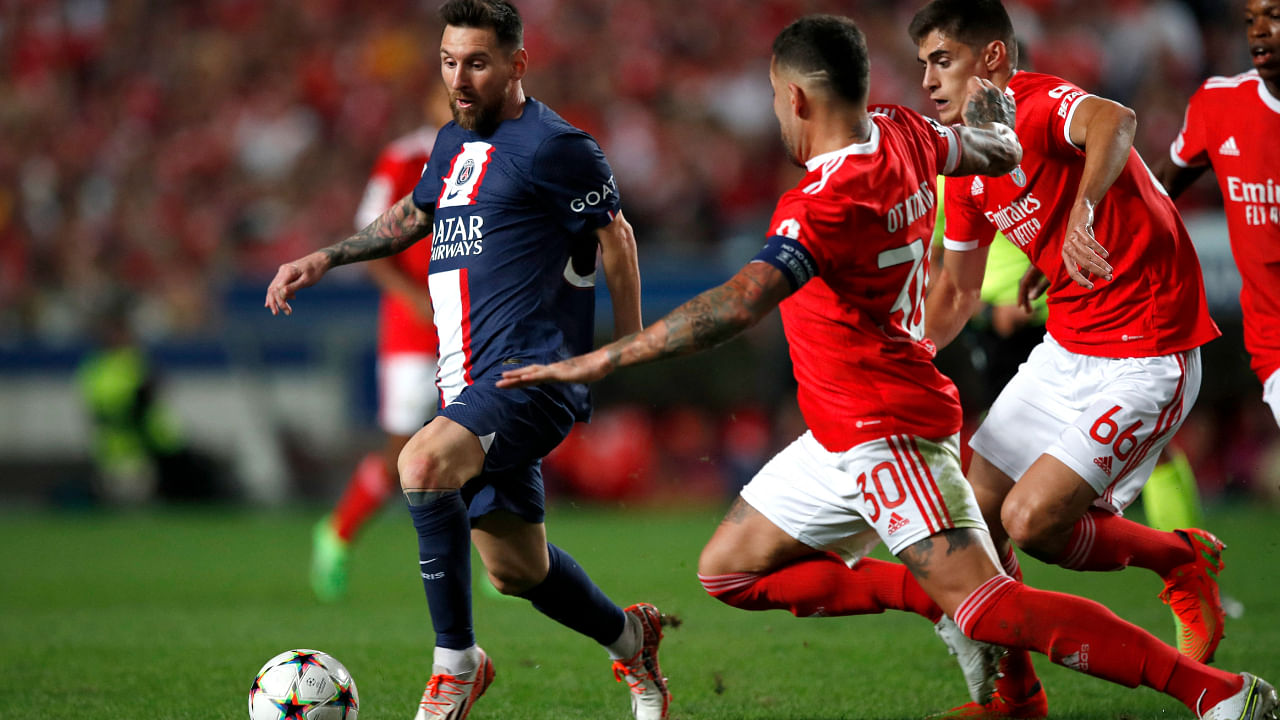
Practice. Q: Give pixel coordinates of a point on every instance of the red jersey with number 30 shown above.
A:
(855, 326)
(400, 328)
(1155, 303)
(1232, 123)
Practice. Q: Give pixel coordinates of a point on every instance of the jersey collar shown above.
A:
(1268, 99)
(865, 148)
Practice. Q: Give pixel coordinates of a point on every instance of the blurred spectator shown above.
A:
(180, 147)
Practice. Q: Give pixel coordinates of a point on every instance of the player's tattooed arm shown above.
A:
(703, 322)
(988, 105)
(400, 226)
(988, 144)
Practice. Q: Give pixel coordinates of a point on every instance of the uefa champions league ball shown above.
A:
(303, 685)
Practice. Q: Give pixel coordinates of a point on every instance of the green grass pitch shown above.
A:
(167, 615)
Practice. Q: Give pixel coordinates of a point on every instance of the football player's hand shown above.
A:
(1032, 285)
(1081, 253)
(581, 369)
(292, 277)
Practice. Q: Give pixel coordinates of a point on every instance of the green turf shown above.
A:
(168, 615)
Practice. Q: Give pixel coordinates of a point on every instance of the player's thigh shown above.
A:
(1028, 414)
(1136, 406)
(443, 455)
(513, 550)
(952, 564)
(747, 541)
(897, 489)
(515, 427)
(407, 394)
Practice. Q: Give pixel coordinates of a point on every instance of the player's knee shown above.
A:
(1028, 525)
(423, 471)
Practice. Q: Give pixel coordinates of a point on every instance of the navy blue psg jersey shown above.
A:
(513, 254)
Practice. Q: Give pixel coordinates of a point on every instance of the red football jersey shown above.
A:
(1232, 124)
(399, 167)
(856, 329)
(1155, 303)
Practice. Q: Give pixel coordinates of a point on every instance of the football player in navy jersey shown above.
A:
(519, 202)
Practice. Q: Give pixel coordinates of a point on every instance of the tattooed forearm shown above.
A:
(989, 105)
(715, 316)
(399, 227)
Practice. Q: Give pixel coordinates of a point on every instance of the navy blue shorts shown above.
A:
(526, 424)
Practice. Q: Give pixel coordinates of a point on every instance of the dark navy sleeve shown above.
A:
(573, 178)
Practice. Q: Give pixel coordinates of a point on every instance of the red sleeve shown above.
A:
(1188, 149)
(1046, 105)
(807, 220)
(967, 227)
(943, 142)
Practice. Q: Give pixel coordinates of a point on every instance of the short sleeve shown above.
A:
(802, 219)
(1062, 99)
(967, 228)
(573, 178)
(1188, 148)
(943, 142)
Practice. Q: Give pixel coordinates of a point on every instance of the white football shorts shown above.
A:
(1105, 418)
(899, 489)
(407, 394)
(1271, 394)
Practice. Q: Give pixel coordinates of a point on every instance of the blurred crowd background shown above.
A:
(160, 159)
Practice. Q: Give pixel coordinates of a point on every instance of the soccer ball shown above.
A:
(303, 685)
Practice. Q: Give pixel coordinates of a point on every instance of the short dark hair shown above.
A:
(499, 16)
(971, 22)
(827, 44)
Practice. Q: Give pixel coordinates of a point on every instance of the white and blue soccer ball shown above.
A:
(303, 685)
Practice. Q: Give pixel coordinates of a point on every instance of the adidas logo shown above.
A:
(896, 523)
(1229, 147)
(977, 188)
(1104, 463)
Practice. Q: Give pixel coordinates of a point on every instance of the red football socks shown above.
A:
(1103, 541)
(1085, 636)
(368, 488)
(822, 585)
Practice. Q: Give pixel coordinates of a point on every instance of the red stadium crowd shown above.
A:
(170, 148)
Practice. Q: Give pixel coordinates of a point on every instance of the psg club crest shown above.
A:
(1019, 177)
(464, 174)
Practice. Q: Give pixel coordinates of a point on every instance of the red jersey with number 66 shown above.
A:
(1155, 303)
(1233, 124)
(400, 328)
(863, 218)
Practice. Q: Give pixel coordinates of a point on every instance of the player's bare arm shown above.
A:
(621, 274)
(956, 294)
(400, 226)
(701, 323)
(988, 143)
(1105, 130)
(1175, 178)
